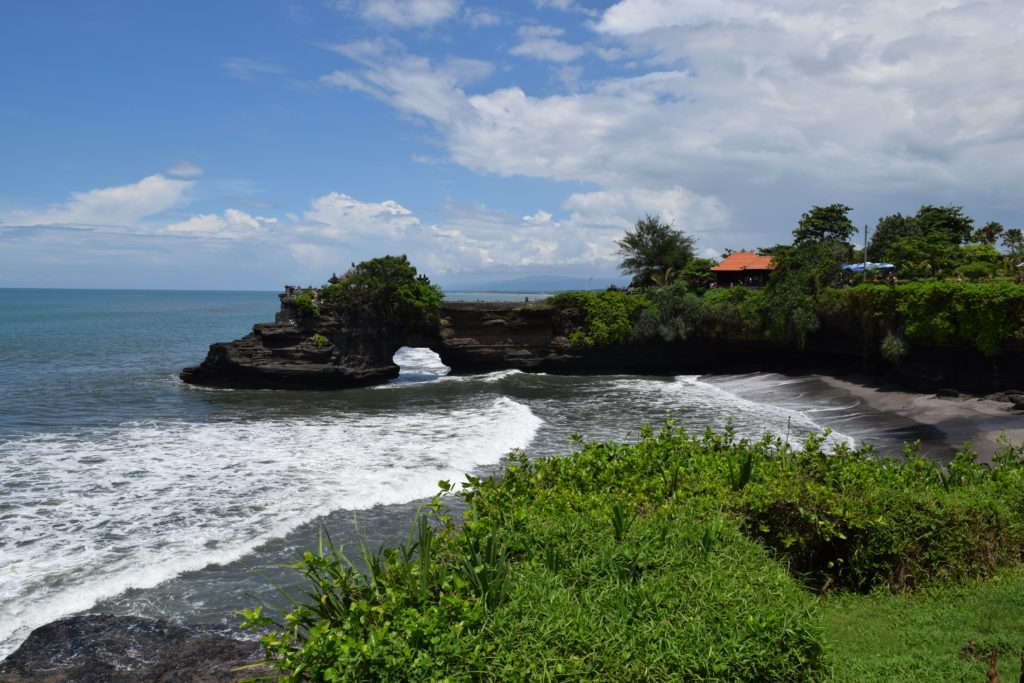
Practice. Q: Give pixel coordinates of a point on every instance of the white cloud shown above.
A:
(478, 18)
(733, 97)
(122, 206)
(234, 224)
(409, 13)
(185, 169)
(250, 70)
(540, 42)
(413, 85)
(619, 209)
(339, 216)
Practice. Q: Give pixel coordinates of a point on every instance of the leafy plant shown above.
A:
(598, 318)
(306, 303)
(894, 348)
(320, 341)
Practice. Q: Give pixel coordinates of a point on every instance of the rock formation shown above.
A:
(130, 649)
(334, 349)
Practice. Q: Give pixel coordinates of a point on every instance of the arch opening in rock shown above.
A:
(418, 364)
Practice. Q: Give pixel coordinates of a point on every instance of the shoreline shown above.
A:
(964, 418)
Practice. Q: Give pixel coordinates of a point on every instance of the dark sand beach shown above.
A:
(985, 423)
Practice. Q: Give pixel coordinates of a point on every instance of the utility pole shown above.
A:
(866, 253)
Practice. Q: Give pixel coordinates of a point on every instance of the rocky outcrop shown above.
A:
(130, 650)
(335, 350)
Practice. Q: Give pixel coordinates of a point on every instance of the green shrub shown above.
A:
(598, 318)
(306, 303)
(894, 348)
(320, 341)
(387, 290)
(649, 560)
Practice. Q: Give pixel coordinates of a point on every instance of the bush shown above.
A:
(648, 560)
(894, 348)
(598, 318)
(306, 304)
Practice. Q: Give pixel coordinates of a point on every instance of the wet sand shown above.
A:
(981, 422)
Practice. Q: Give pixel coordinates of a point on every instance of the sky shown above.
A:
(248, 144)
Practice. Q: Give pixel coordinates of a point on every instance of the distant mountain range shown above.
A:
(541, 283)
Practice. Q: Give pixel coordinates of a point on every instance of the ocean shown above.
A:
(125, 491)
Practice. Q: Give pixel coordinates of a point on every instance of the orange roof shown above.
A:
(745, 260)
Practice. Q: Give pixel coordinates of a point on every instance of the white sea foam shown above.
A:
(779, 420)
(87, 515)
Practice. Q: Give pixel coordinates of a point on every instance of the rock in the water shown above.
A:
(115, 649)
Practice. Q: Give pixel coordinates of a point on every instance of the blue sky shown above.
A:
(248, 144)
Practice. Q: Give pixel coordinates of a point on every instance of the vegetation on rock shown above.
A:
(387, 290)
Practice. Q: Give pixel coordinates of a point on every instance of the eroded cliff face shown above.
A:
(337, 351)
(334, 351)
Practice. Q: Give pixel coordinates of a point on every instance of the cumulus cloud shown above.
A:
(122, 206)
(727, 98)
(234, 224)
(540, 42)
(618, 209)
(339, 216)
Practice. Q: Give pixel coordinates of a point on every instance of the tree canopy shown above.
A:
(825, 223)
(651, 248)
(390, 289)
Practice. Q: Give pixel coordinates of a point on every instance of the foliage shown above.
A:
(697, 273)
(988, 316)
(598, 318)
(386, 289)
(942, 633)
(842, 517)
(306, 304)
(404, 618)
(894, 348)
(647, 560)
(320, 341)
(1013, 239)
(944, 224)
(988, 233)
(824, 223)
(975, 270)
(924, 244)
(651, 248)
(675, 312)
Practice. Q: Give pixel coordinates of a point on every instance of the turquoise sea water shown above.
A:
(126, 491)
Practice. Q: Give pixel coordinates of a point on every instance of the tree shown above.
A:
(944, 223)
(888, 231)
(389, 290)
(652, 248)
(988, 233)
(1013, 240)
(825, 223)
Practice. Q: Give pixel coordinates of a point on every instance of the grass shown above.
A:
(680, 557)
(942, 633)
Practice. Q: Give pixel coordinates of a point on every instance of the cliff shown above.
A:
(334, 350)
(331, 348)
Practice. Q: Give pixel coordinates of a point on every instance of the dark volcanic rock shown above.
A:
(113, 649)
(338, 351)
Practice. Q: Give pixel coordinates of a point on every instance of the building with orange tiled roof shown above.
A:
(743, 268)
